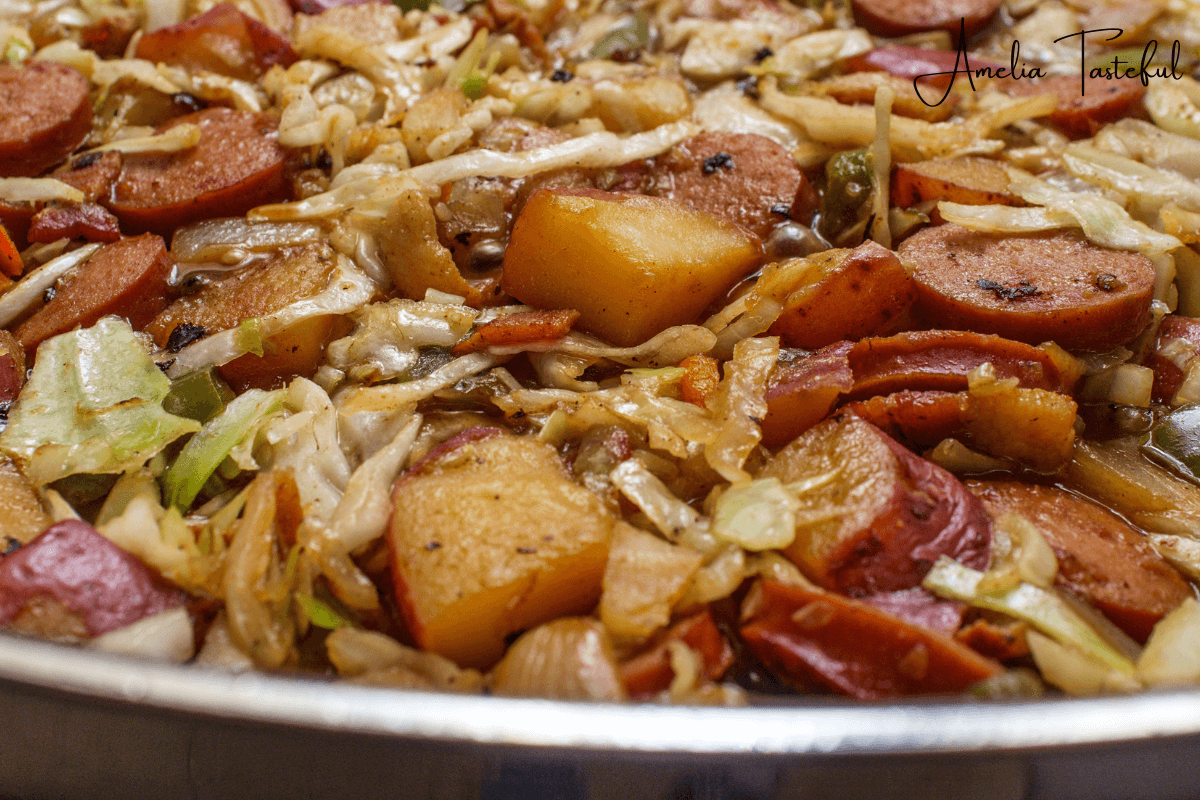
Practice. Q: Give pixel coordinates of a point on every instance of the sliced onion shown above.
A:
(643, 579)
(567, 659)
(167, 635)
(209, 239)
(1172, 654)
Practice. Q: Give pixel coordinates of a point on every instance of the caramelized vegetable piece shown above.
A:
(126, 278)
(256, 291)
(913, 368)
(222, 40)
(93, 578)
(891, 18)
(1081, 114)
(86, 221)
(11, 264)
(809, 638)
(921, 419)
(46, 115)
(1100, 557)
(524, 327)
(649, 672)
(846, 294)
(744, 177)
(631, 265)
(493, 538)
(874, 517)
(969, 180)
(237, 165)
(21, 514)
(12, 368)
(1034, 288)
(701, 377)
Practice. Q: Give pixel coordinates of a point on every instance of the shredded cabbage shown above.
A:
(757, 515)
(93, 404)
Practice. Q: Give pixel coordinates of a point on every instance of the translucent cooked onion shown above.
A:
(567, 659)
(358, 653)
(1172, 654)
(210, 239)
(643, 579)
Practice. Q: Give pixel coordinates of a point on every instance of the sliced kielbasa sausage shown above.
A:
(44, 115)
(223, 40)
(127, 278)
(1081, 113)
(1100, 557)
(1055, 286)
(237, 165)
(902, 17)
(746, 178)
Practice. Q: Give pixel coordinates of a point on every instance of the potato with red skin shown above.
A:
(1052, 286)
(845, 294)
(87, 574)
(811, 639)
(223, 40)
(47, 114)
(802, 394)
(650, 672)
(894, 18)
(896, 513)
(1080, 115)
(493, 538)
(238, 164)
(22, 517)
(1100, 556)
(127, 278)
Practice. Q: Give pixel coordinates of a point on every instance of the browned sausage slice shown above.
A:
(743, 177)
(237, 165)
(223, 40)
(1100, 557)
(1055, 286)
(44, 115)
(91, 173)
(127, 278)
(1081, 115)
(969, 180)
(74, 221)
(901, 17)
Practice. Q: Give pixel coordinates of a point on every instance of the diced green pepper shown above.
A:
(199, 395)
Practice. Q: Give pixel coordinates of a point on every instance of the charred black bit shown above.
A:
(86, 160)
(4, 407)
(526, 551)
(562, 76)
(184, 334)
(323, 160)
(463, 238)
(48, 295)
(782, 209)
(165, 365)
(749, 87)
(763, 54)
(1021, 290)
(10, 545)
(717, 161)
(867, 229)
(433, 546)
(1107, 282)
(188, 102)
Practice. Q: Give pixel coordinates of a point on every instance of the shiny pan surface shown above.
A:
(75, 723)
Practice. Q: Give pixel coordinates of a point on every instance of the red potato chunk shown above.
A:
(492, 538)
(875, 517)
(93, 579)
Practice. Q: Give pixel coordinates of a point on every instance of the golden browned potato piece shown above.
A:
(631, 265)
(846, 294)
(969, 180)
(490, 539)
(21, 514)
